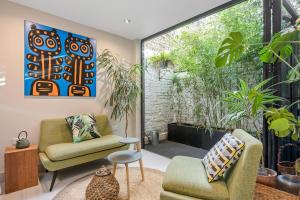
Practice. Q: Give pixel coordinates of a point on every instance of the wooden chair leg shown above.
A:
(114, 169)
(127, 179)
(53, 180)
(142, 169)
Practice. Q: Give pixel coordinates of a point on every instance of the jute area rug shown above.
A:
(146, 190)
(151, 187)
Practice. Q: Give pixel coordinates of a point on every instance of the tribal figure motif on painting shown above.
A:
(58, 63)
(43, 67)
(79, 53)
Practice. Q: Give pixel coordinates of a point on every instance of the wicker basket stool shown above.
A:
(103, 186)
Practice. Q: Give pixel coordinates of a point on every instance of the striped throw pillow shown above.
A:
(222, 156)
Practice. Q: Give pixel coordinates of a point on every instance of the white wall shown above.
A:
(158, 102)
(18, 112)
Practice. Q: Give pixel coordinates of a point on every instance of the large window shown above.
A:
(182, 84)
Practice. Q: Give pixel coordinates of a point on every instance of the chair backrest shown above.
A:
(241, 178)
(54, 131)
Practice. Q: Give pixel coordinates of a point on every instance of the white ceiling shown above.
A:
(147, 16)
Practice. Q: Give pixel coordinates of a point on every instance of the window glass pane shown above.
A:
(296, 5)
(189, 88)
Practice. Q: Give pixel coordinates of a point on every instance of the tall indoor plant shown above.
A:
(280, 121)
(125, 88)
(250, 103)
(278, 50)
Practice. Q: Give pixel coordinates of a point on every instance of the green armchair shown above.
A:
(185, 177)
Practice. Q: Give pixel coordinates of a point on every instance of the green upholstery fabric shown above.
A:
(102, 124)
(63, 151)
(187, 176)
(54, 131)
(58, 165)
(164, 195)
(56, 148)
(182, 180)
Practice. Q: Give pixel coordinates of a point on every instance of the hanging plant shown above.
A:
(161, 60)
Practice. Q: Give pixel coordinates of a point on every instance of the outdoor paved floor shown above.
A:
(170, 149)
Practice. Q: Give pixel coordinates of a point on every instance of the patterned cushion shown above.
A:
(222, 156)
(83, 127)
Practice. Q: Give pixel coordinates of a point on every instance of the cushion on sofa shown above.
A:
(187, 176)
(83, 127)
(65, 151)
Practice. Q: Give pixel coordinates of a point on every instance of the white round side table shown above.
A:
(127, 156)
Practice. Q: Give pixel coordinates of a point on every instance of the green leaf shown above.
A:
(286, 51)
(221, 60)
(280, 45)
(230, 50)
(284, 133)
(262, 84)
(295, 136)
(248, 103)
(276, 113)
(243, 86)
(283, 122)
(294, 74)
(280, 127)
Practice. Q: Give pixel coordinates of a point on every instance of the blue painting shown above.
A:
(58, 63)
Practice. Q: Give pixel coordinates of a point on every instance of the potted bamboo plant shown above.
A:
(194, 134)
